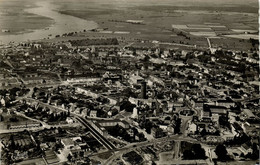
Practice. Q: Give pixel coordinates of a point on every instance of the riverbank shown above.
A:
(61, 24)
(15, 20)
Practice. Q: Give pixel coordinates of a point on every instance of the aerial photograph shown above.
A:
(129, 82)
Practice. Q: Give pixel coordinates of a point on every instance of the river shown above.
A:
(63, 24)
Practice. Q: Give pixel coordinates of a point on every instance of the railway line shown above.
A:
(96, 134)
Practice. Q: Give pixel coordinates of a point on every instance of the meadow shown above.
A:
(199, 20)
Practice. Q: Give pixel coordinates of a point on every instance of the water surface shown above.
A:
(63, 24)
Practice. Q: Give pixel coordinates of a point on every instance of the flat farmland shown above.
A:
(230, 43)
(157, 20)
(244, 36)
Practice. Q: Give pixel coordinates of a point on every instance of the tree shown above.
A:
(178, 126)
(199, 152)
(13, 119)
(203, 132)
(188, 154)
(127, 105)
(35, 89)
(255, 154)
(114, 41)
(196, 152)
(1, 118)
(69, 157)
(128, 93)
(221, 152)
(223, 121)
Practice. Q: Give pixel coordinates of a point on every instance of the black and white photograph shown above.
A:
(129, 82)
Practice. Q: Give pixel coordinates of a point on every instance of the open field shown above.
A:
(39, 161)
(148, 21)
(197, 21)
(230, 43)
(244, 36)
(20, 121)
(166, 156)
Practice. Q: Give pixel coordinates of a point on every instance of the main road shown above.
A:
(119, 151)
(111, 147)
(82, 120)
(132, 146)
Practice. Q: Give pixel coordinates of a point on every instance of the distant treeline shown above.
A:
(219, 7)
(87, 42)
(254, 42)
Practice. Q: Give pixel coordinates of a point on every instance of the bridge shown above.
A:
(96, 134)
(249, 99)
(83, 121)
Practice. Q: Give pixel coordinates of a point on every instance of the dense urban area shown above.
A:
(107, 99)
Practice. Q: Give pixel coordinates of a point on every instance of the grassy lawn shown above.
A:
(105, 155)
